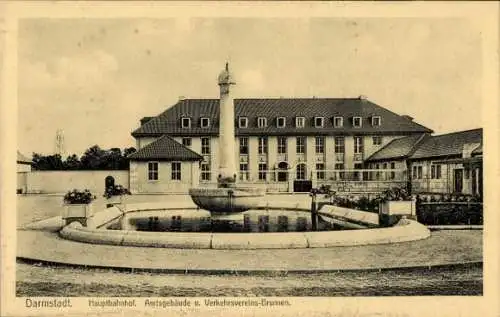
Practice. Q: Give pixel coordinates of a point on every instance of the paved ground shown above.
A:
(443, 247)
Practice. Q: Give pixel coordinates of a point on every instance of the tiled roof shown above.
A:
(22, 159)
(450, 144)
(165, 149)
(169, 122)
(398, 148)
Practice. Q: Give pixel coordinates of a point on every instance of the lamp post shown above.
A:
(314, 209)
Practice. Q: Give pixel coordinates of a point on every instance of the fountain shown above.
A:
(229, 198)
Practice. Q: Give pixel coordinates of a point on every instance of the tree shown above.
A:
(49, 162)
(93, 158)
(72, 163)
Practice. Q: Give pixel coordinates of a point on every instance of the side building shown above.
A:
(447, 163)
(23, 168)
(285, 144)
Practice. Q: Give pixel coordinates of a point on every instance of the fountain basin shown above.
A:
(225, 201)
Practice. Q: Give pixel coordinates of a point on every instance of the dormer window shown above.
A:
(318, 122)
(280, 122)
(261, 122)
(356, 122)
(205, 122)
(300, 122)
(376, 121)
(186, 123)
(338, 122)
(243, 122)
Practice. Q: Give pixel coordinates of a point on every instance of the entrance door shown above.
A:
(458, 180)
(282, 172)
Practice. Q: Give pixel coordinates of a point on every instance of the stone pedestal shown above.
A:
(77, 212)
(390, 212)
(114, 200)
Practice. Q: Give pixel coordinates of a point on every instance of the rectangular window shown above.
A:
(244, 145)
(377, 140)
(356, 122)
(376, 121)
(384, 166)
(338, 122)
(205, 171)
(262, 171)
(152, 171)
(205, 122)
(205, 145)
(301, 145)
(300, 122)
(320, 171)
(339, 144)
(243, 171)
(320, 144)
(280, 122)
(358, 145)
(186, 123)
(186, 142)
(435, 171)
(261, 122)
(417, 172)
(242, 122)
(176, 171)
(393, 167)
(282, 145)
(262, 145)
(318, 122)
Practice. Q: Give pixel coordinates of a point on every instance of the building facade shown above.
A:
(285, 144)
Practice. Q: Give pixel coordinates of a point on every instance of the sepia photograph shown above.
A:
(244, 161)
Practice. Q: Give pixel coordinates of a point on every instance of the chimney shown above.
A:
(467, 149)
(181, 98)
(362, 97)
(145, 120)
(407, 117)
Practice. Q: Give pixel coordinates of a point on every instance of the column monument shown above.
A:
(229, 197)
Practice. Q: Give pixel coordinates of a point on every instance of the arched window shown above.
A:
(301, 171)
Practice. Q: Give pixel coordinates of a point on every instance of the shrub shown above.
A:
(395, 194)
(79, 197)
(115, 190)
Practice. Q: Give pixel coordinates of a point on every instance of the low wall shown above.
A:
(405, 230)
(50, 182)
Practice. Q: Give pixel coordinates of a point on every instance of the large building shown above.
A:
(285, 144)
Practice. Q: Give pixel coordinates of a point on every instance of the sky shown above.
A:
(94, 79)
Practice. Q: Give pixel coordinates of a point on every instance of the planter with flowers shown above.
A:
(78, 206)
(396, 203)
(114, 195)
